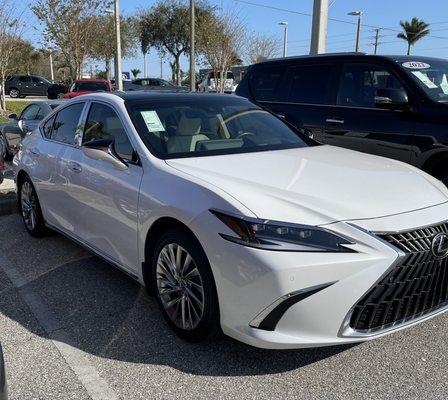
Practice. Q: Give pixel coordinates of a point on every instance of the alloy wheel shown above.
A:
(28, 205)
(14, 93)
(180, 286)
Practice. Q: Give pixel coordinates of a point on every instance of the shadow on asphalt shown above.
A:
(109, 315)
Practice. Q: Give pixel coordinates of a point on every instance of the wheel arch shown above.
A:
(434, 165)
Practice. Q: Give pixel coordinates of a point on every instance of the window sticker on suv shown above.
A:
(152, 121)
(416, 65)
(424, 79)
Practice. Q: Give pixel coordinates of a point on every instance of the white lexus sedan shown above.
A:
(238, 222)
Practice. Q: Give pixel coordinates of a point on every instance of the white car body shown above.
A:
(352, 194)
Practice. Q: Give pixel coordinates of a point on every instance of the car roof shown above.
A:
(92, 80)
(344, 56)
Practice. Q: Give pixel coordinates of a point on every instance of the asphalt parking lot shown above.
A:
(73, 327)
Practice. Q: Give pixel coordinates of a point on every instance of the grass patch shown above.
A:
(13, 107)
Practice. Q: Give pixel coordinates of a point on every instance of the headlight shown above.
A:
(280, 236)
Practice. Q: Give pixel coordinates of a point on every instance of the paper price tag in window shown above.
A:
(425, 79)
(152, 121)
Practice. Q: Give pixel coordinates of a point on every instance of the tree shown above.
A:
(103, 44)
(144, 37)
(72, 27)
(135, 72)
(167, 27)
(413, 31)
(220, 42)
(261, 47)
(10, 32)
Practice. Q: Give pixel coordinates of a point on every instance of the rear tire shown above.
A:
(184, 286)
(14, 93)
(30, 210)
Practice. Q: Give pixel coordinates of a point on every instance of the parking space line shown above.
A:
(77, 360)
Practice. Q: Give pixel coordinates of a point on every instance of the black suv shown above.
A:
(26, 85)
(392, 106)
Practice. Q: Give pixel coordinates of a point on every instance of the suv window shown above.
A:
(309, 84)
(66, 124)
(266, 81)
(30, 113)
(359, 84)
(24, 79)
(104, 123)
(48, 127)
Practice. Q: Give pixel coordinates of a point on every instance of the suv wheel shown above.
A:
(14, 93)
(30, 210)
(184, 286)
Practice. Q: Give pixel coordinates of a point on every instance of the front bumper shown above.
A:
(249, 281)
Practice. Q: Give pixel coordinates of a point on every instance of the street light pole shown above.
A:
(51, 65)
(319, 28)
(192, 58)
(285, 38)
(118, 73)
(358, 28)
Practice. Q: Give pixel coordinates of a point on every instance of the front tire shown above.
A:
(30, 210)
(184, 286)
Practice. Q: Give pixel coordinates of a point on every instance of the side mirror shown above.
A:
(391, 99)
(104, 150)
(13, 116)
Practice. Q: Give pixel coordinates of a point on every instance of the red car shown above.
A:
(84, 86)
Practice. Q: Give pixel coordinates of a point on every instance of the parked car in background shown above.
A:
(3, 390)
(26, 85)
(84, 86)
(57, 90)
(392, 106)
(18, 126)
(152, 84)
(235, 219)
(208, 84)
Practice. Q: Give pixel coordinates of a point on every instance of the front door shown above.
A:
(106, 197)
(355, 122)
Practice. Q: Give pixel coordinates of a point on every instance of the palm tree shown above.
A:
(413, 31)
(135, 72)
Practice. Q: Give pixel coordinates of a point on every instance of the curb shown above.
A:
(8, 204)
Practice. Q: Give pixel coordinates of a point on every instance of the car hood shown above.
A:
(317, 185)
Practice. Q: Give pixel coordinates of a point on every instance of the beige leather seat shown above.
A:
(187, 135)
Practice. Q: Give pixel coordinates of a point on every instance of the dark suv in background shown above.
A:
(26, 85)
(392, 106)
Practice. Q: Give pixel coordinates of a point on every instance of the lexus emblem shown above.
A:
(439, 245)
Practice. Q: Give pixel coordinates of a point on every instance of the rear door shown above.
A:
(356, 123)
(106, 198)
(25, 85)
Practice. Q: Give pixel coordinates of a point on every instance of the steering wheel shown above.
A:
(241, 135)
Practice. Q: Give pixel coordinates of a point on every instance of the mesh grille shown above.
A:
(417, 285)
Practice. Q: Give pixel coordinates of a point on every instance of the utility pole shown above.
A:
(51, 64)
(161, 67)
(118, 73)
(192, 59)
(358, 28)
(144, 66)
(377, 36)
(285, 38)
(319, 29)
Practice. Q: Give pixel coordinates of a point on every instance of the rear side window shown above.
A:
(65, 126)
(265, 82)
(309, 84)
(48, 127)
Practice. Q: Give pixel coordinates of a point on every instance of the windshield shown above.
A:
(201, 126)
(431, 77)
(89, 87)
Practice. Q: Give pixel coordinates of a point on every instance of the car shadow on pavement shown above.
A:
(109, 315)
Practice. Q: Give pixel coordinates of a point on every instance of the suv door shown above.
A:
(106, 197)
(298, 93)
(356, 123)
(39, 87)
(24, 85)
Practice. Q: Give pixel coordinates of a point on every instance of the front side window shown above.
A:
(266, 81)
(104, 123)
(359, 84)
(66, 124)
(309, 84)
(30, 113)
(203, 126)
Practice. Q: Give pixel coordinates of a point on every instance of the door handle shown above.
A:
(35, 152)
(74, 166)
(334, 121)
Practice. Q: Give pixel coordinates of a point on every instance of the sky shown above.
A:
(263, 16)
